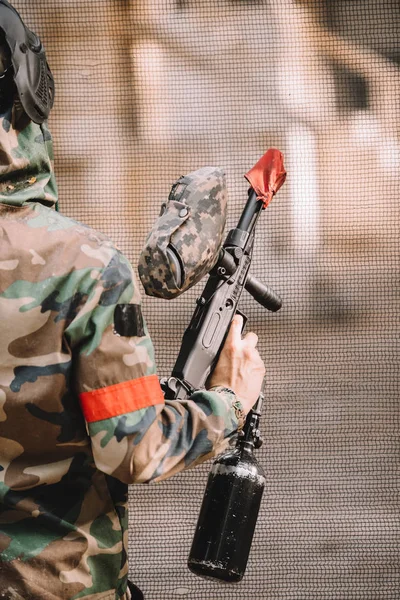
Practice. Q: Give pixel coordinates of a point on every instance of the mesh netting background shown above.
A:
(148, 90)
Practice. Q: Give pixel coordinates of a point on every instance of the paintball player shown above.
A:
(82, 413)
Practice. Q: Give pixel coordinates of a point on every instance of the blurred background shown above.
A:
(148, 90)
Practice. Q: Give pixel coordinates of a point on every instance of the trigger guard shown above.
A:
(245, 319)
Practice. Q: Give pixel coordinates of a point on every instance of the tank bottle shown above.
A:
(229, 511)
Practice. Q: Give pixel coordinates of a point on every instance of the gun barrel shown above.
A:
(250, 212)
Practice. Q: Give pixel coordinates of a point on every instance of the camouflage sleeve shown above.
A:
(136, 436)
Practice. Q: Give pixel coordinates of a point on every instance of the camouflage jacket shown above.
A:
(82, 414)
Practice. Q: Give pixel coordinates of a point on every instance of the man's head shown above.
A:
(24, 73)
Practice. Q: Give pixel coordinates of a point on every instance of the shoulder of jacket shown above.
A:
(57, 220)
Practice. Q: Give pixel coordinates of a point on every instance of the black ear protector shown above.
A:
(29, 69)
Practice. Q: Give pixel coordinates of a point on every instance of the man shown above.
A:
(82, 414)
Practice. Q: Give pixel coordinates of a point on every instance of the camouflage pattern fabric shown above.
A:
(189, 228)
(81, 409)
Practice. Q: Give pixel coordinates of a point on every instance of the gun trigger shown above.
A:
(239, 312)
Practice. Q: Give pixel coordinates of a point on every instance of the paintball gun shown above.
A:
(228, 516)
(218, 304)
